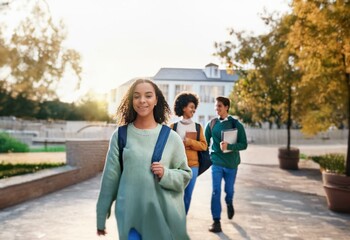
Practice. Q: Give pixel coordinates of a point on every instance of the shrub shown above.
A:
(9, 170)
(332, 162)
(10, 144)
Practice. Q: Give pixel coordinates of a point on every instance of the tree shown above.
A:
(34, 58)
(320, 37)
(265, 91)
(92, 109)
(253, 93)
(268, 88)
(57, 110)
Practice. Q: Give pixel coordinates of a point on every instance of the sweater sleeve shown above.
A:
(109, 183)
(207, 133)
(177, 176)
(241, 143)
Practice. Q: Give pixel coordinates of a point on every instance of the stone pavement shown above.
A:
(270, 203)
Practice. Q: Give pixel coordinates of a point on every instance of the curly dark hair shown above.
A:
(126, 113)
(182, 100)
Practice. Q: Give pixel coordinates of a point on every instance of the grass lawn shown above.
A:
(39, 158)
(58, 148)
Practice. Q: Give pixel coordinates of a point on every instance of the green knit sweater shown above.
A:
(219, 158)
(154, 208)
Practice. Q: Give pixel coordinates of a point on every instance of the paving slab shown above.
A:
(270, 203)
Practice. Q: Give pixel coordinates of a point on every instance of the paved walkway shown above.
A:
(270, 203)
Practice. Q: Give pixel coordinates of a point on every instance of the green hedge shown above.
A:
(333, 162)
(9, 170)
(10, 144)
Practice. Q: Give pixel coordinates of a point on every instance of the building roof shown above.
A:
(211, 65)
(186, 74)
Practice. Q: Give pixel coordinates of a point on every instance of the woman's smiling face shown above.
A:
(189, 110)
(144, 99)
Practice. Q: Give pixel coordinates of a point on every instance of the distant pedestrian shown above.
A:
(225, 158)
(148, 196)
(185, 106)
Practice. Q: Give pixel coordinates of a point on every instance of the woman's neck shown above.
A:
(186, 121)
(145, 123)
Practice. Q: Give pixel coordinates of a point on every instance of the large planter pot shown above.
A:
(337, 188)
(288, 159)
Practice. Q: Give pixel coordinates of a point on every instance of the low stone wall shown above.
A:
(88, 155)
(85, 159)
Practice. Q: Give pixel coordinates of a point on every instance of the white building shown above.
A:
(207, 83)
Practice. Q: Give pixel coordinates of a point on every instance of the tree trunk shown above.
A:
(347, 167)
(289, 120)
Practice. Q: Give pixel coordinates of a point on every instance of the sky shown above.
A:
(123, 39)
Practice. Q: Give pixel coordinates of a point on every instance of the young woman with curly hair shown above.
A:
(185, 106)
(148, 196)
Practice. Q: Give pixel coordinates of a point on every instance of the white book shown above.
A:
(229, 136)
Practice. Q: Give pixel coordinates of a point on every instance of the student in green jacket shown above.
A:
(225, 163)
(148, 196)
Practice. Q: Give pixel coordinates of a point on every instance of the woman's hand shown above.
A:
(101, 232)
(157, 169)
(187, 141)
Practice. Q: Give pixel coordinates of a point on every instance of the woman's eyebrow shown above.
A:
(145, 92)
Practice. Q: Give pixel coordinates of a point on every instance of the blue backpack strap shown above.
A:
(122, 130)
(161, 141)
(198, 129)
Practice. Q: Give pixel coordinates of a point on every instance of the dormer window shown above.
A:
(212, 71)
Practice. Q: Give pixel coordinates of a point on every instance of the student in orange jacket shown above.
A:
(185, 106)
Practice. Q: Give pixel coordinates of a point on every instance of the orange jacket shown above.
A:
(192, 147)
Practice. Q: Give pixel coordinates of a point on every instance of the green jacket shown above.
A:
(154, 208)
(219, 158)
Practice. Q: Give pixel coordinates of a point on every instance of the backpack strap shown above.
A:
(175, 126)
(212, 123)
(198, 128)
(122, 130)
(161, 141)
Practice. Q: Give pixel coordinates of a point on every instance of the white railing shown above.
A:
(279, 136)
(60, 131)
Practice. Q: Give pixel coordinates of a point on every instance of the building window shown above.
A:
(216, 72)
(201, 120)
(165, 90)
(181, 88)
(208, 94)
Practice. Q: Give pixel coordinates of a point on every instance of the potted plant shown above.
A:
(335, 183)
(288, 156)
